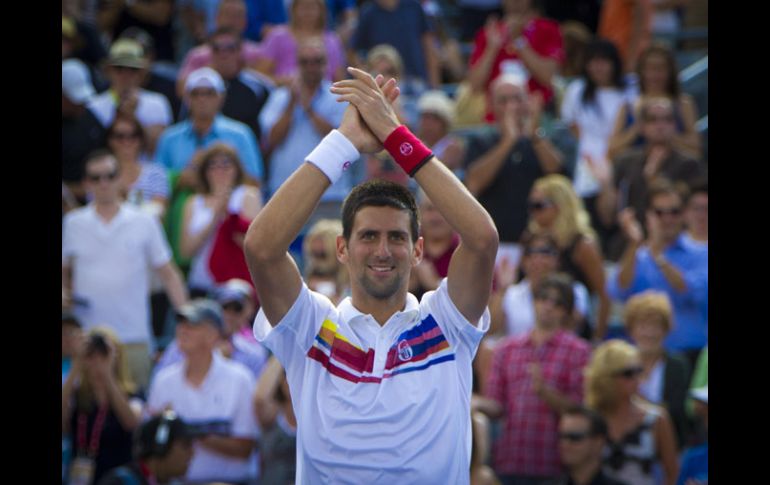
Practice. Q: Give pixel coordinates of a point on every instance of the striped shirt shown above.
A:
(378, 404)
(528, 443)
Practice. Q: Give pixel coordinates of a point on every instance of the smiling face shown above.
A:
(380, 253)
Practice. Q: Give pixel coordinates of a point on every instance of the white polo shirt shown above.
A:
(111, 267)
(376, 404)
(224, 396)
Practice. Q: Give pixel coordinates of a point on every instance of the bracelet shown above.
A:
(334, 155)
(407, 150)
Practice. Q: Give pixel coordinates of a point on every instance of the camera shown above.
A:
(97, 344)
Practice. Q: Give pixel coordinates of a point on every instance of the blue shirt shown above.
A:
(179, 142)
(260, 12)
(301, 138)
(695, 465)
(690, 329)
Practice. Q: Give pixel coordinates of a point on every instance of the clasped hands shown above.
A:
(369, 118)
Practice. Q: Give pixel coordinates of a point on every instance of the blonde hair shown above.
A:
(601, 392)
(572, 217)
(650, 303)
(327, 230)
(85, 393)
(387, 52)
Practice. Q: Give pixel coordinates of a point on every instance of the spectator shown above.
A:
(585, 12)
(696, 215)
(520, 43)
(452, 62)
(231, 14)
(278, 426)
(481, 473)
(663, 262)
(281, 47)
(131, 243)
(143, 183)
(71, 345)
(126, 68)
(666, 375)
(80, 40)
(162, 453)
(296, 118)
(81, 131)
(512, 306)
(534, 378)
(640, 434)
(204, 96)
(555, 208)
(667, 17)
(627, 183)
(156, 78)
(216, 218)
(575, 37)
(473, 14)
(439, 244)
(658, 77)
(154, 16)
(211, 394)
(582, 438)
(100, 407)
(437, 114)
(700, 377)
(246, 91)
(403, 25)
(627, 25)
(503, 161)
(319, 258)
(590, 107)
(695, 461)
(263, 16)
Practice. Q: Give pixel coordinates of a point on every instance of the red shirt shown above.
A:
(528, 443)
(544, 37)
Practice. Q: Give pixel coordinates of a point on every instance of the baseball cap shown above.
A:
(205, 77)
(701, 394)
(438, 103)
(201, 311)
(70, 318)
(127, 53)
(76, 81)
(234, 289)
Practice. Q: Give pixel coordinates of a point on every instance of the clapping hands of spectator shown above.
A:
(631, 228)
(534, 110)
(600, 168)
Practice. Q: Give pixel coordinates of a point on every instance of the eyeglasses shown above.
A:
(629, 373)
(538, 205)
(224, 47)
(317, 61)
(553, 299)
(117, 135)
(667, 211)
(95, 177)
(234, 306)
(574, 436)
(546, 251)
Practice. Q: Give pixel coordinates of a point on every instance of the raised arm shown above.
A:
(275, 275)
(471, 267)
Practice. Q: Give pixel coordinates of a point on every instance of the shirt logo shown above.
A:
(346, 165)
(406, 149)
(404, 351)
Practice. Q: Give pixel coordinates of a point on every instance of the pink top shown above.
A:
(280, 47)
(201, 57)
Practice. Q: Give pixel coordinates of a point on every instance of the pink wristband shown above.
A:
(407, 150)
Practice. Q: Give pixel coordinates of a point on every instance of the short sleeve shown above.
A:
(159, 251)
(571, 102)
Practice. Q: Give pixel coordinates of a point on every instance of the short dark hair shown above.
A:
(700, 186)
(97, 155)
(665, 186)
(379, 193)
(530, 238)
(597, 424)
(562, 283)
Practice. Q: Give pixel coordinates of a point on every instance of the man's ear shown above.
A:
(417, 252)
(342, 250)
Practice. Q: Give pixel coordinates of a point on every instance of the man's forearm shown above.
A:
(549, 156)
(628, 265)
(232, 447)
(541, 68)
(483, 171)
(279, 131)
(174, 284)
(321, 126)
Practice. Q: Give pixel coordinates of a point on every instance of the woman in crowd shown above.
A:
(556, 209)
(323, 272)
(640, 437)
(100, 407)
(658, 76)
(664, 381)
(307, 19)
(215, 220)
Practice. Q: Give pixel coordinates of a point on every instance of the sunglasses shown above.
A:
(574, 436)
(546, 251)
(225, 47)
(203, 92)
(95, 177)
(652, 119)
(555, 300)
(235, 306)
(629, 373)
(124, 136)
(673, 211)
(132, 70)
(317, 61)
(538, 205)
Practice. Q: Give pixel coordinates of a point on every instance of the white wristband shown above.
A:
(334, 155)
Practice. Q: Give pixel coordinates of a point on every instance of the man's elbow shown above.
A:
(485, 238)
